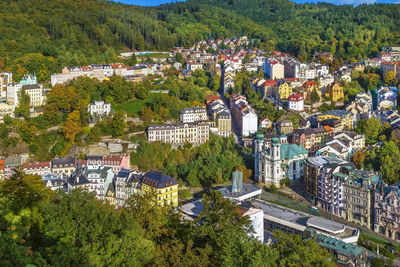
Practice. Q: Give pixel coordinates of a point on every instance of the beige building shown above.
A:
(359, 193)
(35, 93)
(179, 133)
(193, 114)
(63, 166)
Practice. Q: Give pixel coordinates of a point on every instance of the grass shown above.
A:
(295, 119)
(132, 107)
(377, 240)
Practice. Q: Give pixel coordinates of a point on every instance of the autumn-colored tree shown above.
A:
(358, 159)
(72, 125)
(147, 114)
(246, 172)
(390, 78)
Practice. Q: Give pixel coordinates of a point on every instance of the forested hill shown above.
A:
(69, 32)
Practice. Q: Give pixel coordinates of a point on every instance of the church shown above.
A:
(277, 161)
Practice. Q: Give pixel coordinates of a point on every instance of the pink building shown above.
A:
(117, 162)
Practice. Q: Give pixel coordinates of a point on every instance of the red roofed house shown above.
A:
(308, 88)
(296, 102)
(38, 168)
(117, 162)
(268, 88)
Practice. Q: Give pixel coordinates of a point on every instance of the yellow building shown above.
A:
(345, 117)
(284, 90)
(335, 91)
(165, 188)
(110, 194)
(224, 123)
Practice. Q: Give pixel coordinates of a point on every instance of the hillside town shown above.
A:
(306, 133)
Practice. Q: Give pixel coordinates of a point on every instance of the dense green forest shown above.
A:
(40, 227)
(42, 36)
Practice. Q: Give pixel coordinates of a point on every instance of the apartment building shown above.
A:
(193, 114)
(273, 69)
(244, 115)
(164, 188)
(359, 188)
(179, 133)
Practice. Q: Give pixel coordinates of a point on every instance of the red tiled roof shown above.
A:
(35, 165)
(309, 84)
(270, 83)
(296, 97)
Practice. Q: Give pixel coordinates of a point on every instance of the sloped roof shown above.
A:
(289, 151)
(158, 179)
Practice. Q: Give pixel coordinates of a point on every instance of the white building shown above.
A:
(177, 134)
(343, 145)
(296, 102)
(99, 109)
(99, 71)
(274, 69)
(192, 66)
(35, 92)
(193, 114)
(99, 180)
(277, 162)
(246, 118)
(6, 109)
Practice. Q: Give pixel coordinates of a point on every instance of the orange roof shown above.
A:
(328, 128)
(309, 84)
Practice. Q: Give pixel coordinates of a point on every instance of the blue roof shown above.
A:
(289, 151)
(124, 173)
(339, 246)
(158, 179)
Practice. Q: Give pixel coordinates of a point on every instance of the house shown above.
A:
(345, 117)
(386, 98)
(5, 79)
(38, 168)
(284, 91)
(296, 102)
(164, 188)
(285, 127)
(77, 179)
(307, 89)
(10, 164)
(192, 66)
(311, 138)
(343, 145)
(54, 182)
(127, 182)
(99, 109)
(117, 162)
(265, 123)
(110, 194)
(63, 166)
(335, 92)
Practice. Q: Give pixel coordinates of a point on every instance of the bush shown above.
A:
(273, 189)
(185, 194)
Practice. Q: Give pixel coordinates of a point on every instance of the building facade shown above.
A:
(164, 188)
(277, 162)
(193, 114)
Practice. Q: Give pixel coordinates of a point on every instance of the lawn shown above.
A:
(295, 119)
(132, 107)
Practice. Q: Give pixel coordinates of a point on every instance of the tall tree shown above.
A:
(72, 125)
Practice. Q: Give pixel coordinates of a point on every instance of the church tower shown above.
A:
(275, 160)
